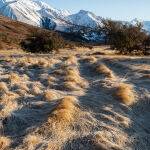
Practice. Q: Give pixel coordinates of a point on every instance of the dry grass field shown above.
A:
(77, 99)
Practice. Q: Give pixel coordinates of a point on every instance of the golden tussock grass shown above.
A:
(64, 112)
(71, 60)
(36, 90)
(44, 63)
(14, 78)
(109, 140)
(25, 77)
(90, 59)
(72, 86)
(50, 95)
(72, 72)
(53, 61)
(125, 93)
(105, 70)
(8, 96)
(51, 80)
(31, 141)
(9, 106)
(5, 142)
(3, 87)
(73, 80)
(53, 146)
(22, 86)
(21, 92)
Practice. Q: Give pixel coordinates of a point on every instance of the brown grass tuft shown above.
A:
(51, 80)
(105, 70)
(125, 93)
(3, 87)
(14, 78)
(109, 140)
(4, 143)
(31, 141)
(73, 81)
(36, 90)
(72, 86)
(72, 60)
(22, 86)
(50, 95)
(65, 110)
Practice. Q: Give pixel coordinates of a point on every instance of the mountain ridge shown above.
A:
(33, 11)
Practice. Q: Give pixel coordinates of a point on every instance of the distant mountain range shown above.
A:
(40, 14)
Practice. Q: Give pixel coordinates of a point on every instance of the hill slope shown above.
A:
(13, 32)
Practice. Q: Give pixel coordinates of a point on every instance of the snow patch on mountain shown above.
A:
(33, 11)
(85, 18)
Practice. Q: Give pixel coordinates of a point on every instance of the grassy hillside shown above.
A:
(13, 32)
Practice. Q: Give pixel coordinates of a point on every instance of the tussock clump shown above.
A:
(72, 60)
(53, 146)
(51, 80)
(31, 141)
(65, 111)
(36, 90)
(101, 68)
(21, 92)
(72, 86)
(25, 77)
(73, 81)
(14, 78)
(3, 87)
(90, 59)
(109, 140)
(5, 142)
(53, 61)
(50, 95)
(45, 63)
(8, 96)
(22, 86)
(125, 93)
(7, 109)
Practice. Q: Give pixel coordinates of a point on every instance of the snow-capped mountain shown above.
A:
(33, 12)
(85, 18)
(38, 13)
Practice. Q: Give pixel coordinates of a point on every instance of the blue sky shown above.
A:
(115, 9)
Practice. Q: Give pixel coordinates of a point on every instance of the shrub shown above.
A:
(125, 37)
(43, 42)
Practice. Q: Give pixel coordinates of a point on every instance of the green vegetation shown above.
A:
(43, 41)
(124, 37)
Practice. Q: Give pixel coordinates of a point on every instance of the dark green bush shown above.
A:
(43, 42)
(125, 37)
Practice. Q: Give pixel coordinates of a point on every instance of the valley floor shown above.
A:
(74, 100)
